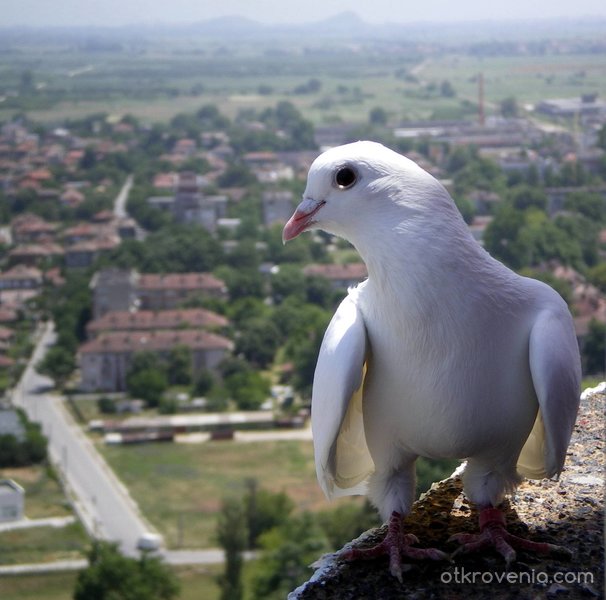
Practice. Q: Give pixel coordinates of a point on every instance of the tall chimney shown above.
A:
(481, 117)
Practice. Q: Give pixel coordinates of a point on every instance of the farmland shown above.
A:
(154, 77)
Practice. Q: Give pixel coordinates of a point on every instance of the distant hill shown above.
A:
(345, 25)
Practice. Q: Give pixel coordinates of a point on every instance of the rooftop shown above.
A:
(127, 342)
(193, 318)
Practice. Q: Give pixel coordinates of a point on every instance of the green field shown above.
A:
(156, 79)
(179, 487)
(42, 544)
(197, 583)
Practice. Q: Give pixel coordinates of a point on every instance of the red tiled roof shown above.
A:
(348, 271)
(5, 361)
(36, 250)
(179, 281)
(193, 318)
(7, 315)
(22, 272)
(121, 342)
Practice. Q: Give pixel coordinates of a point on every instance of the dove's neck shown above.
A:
(426, 264)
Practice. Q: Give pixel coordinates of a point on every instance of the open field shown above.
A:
(42, 544)
(55, 586)
(197, 583)
(154, 80)
(179, 487)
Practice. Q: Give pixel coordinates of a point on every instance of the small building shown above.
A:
(12, 500)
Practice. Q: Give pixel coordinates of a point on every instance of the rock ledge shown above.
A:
(568, 512)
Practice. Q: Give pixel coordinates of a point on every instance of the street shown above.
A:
(100, 499)
(121, 198)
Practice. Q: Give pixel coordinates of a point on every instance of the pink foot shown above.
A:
(493, 533)
(395, 545)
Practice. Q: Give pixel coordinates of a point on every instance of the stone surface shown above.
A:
(568, 512)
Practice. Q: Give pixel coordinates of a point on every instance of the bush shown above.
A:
(107, 406)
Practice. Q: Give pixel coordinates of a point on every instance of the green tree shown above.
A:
(501, 237)
(447, 90)
(287, 552)
(232, 536)
(203, 383)
(523, 197)
(258, 340)
(347, 522)
(378, 116)
(179, 365)
(590, 205)
(113, 576)
(58, 363)
(147, 384)
(509, 107)
(594, 353)
(264, 510)
(146, 378)
(597, 276)
(248, 389)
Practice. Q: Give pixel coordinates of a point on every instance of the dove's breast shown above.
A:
(448, 384)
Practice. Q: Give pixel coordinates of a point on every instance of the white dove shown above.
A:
(443, 352)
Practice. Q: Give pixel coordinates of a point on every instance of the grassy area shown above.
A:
(179, 487)
(159, 83)
(43, 494)
(42, 544)
(50, 586)
(197, 583)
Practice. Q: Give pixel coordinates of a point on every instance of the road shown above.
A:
(100, 499)
(122, 197)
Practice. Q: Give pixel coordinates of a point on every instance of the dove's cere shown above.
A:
(443, 352)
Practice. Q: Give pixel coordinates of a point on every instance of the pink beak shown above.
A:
(302, 219)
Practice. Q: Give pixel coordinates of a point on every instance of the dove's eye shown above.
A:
(345, 177)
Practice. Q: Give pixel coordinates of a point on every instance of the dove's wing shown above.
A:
(342, 459)
(556, 376)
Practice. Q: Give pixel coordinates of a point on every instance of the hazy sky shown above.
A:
(121, 12)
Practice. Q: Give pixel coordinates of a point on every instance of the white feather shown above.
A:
(342, 458)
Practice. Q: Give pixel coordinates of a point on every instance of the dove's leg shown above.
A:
(485, 486)
(393, 493)
(494, 534)
(396, 545)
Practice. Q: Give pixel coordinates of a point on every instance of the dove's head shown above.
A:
(365, 189)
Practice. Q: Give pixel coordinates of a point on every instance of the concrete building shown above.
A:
(168, 290)
(114, 290)
(587, 104)
(192, 206)
(104, 361)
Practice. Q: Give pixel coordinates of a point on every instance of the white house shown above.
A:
(12, 497)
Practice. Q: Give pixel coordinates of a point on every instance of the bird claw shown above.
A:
(396, 545)
(493, 533)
